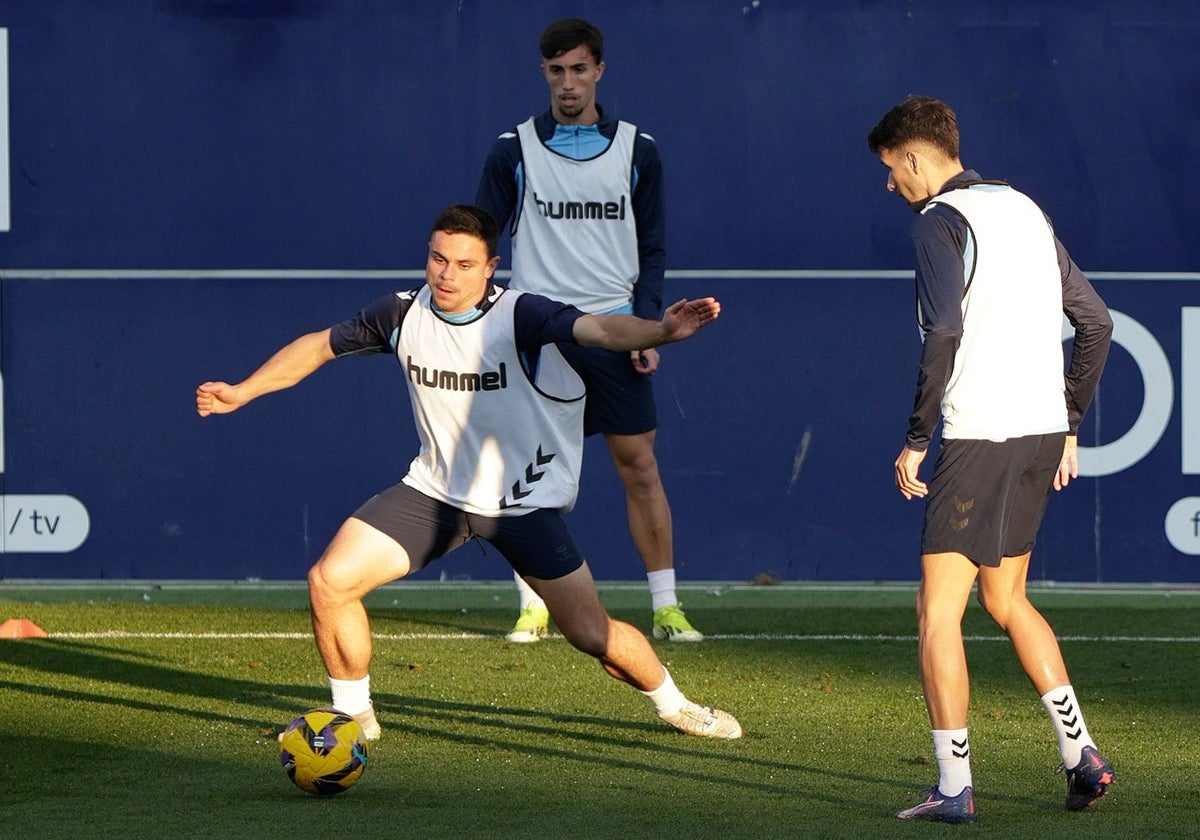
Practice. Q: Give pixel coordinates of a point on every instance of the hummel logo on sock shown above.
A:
(1066, 713)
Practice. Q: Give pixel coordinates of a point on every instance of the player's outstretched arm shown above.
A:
(288, 366)
(682, 319)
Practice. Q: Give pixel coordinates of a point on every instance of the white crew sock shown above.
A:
(953, 753)
(525, 592)
(1072, 732)
(662, 588)
(351, 696)
(667, 699)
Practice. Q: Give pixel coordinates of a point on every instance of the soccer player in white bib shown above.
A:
(582, 193)
(499, 416)
(993, 283)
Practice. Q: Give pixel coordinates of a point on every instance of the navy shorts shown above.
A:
(536, 544)
(620, 401)
(987, 498)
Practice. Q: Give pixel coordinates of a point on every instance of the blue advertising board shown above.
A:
(189, 185)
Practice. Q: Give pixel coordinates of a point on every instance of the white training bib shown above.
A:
(577, 237)
(1007, 380)
(495, 440)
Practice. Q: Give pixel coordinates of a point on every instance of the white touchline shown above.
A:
(736, 637)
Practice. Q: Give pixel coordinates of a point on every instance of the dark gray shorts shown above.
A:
(987, 499)
(536, 544)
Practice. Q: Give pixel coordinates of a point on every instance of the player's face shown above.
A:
(902, 175)
(458, 270)
(572, 77)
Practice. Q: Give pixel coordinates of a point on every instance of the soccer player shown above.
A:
(499, 414)
(584, 195)
(992, 284)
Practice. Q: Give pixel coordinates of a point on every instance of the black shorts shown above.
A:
(987, 499)
(620, 401)
(535, 544)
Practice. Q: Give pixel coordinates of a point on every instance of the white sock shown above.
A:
(1072, 732)
(953, 753)
(662, 588)
(351, 696)
(667, 699)
(525, 592)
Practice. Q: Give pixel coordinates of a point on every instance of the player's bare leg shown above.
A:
(358, 559)
(576, 609)
(650, 526)
(625, 653)
(946, 581)
(645, 499)
(1002, 593)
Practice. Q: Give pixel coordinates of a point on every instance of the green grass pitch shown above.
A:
(152, 711)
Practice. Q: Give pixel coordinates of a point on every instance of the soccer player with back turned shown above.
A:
(993, 283)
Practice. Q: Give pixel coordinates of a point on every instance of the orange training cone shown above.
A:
(21, 628)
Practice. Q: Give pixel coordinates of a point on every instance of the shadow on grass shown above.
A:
(648, 747)
(520, 731)
(438, 720)
(127, 668)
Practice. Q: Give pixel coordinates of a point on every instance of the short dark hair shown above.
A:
(564, 35)
(466, 218)
(918, 119)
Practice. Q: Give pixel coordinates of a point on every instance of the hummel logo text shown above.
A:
(581, 209)
(448, 380)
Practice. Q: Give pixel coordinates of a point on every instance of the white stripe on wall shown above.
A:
(416, 274)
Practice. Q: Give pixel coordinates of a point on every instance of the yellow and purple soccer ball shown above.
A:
(323, 751)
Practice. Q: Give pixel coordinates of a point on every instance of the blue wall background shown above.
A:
(193, 183)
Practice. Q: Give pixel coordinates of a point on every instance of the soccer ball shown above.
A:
(323, 751)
